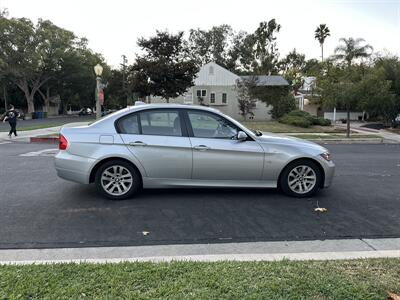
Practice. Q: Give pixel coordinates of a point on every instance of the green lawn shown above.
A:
(276, 127)
(356, 279)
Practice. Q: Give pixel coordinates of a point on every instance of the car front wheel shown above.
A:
(117, 180)
(301, 179)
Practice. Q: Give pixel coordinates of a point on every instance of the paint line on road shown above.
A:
(4, 143)
(254, 251)
(44, 152)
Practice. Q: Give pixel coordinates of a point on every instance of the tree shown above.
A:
(321, 33)
(376, 97)
(351, 49)
(75, 81)
(166, 69)
(292, 67)
(385, 80)
(212, 45)
(246, 102)
(31, 54)
(339, 90)
(279, 97)
(266, 51)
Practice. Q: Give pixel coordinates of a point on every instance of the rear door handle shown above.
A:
(137, 143)
(201, 148)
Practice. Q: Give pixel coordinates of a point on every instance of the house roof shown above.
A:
(213, 74)
(268, 80)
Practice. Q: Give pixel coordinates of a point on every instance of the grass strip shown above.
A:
(353, 279)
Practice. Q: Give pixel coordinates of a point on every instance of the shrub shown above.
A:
(321, 121)
(303, 119)
(284, 105)
(295, 121)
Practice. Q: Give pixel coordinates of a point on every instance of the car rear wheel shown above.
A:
(117, 180)
(301, 179)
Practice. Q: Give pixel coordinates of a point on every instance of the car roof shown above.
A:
(145, 106)
(170, 105)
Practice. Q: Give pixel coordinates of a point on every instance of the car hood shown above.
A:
(270, 138)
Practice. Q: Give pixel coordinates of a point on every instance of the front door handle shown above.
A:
(201, 148)
(137, 143)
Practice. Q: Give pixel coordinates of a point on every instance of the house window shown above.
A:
(212, 97)
(201, 93)
(211, 70)
(224, 98)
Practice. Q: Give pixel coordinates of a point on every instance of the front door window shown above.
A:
(208, 125)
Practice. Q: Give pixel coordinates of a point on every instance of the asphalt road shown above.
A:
(39, 210)
(49, 122)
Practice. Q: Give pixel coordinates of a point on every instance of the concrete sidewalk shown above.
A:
(255, 251)
(388, 136)
(24, 136)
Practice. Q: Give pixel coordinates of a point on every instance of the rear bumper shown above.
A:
(73, 168)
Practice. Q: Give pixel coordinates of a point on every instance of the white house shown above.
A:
(215, 86)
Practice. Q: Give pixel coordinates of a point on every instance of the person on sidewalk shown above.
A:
(11, 116)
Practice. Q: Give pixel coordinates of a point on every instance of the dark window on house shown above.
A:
(224, 98)
(203, 93)
(198, 93)
(212, 97)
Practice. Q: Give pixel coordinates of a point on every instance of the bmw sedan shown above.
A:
(168, 145)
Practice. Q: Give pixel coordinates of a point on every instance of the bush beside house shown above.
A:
(303, 119)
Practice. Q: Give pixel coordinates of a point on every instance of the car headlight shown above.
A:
(326, 156)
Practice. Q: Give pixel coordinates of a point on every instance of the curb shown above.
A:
(252, 251)
(44, 140)
(349, 141)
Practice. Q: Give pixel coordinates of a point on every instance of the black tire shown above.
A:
(132, 190)
(284, 178)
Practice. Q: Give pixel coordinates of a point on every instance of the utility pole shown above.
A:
(5, 97)
(124, 85)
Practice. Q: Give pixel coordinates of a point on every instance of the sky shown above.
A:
(113, 27)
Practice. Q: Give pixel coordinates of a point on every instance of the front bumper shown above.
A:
(329, 170)
(73, 167)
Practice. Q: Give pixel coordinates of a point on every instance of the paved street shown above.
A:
(39, 210)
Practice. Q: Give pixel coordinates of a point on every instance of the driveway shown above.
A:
(39, 210)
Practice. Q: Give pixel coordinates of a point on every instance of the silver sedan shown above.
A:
(162, 146)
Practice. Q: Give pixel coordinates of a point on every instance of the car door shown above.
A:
(217, 154)
(158, 139)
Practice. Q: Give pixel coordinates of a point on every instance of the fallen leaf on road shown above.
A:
(145, 232)
(393, 296)
(320, 209)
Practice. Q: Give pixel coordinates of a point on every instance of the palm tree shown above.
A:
(321, 33)
(352, 49)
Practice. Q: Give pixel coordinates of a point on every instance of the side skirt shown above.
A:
(190, 183)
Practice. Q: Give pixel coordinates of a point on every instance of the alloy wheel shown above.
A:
(116, 180)
(302, 179)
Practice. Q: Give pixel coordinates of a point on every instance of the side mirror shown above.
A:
(241, 136)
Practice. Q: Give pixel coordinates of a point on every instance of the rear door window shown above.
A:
(129, 124)
(160, 122)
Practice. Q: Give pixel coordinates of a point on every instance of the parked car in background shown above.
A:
(161, 146)
(397, 121)
(85, 112)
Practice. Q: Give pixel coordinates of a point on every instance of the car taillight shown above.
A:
(63, 143)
